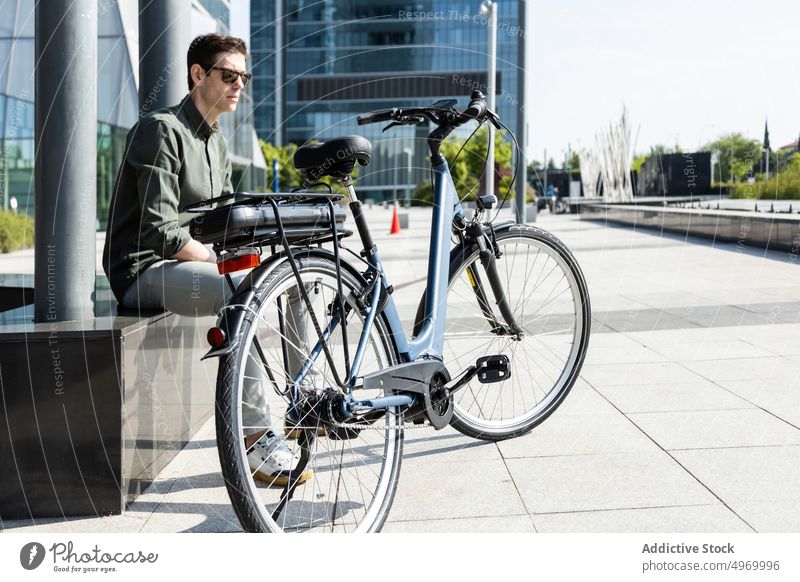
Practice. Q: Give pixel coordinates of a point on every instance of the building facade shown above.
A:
(117, 99)
(318, 65)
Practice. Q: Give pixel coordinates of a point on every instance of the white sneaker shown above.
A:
(271, 461)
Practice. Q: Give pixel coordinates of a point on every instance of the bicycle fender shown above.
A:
(236, 312)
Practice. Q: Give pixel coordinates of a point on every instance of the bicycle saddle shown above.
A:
(335, 158)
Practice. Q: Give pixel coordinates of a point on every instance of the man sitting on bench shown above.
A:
(175, 157)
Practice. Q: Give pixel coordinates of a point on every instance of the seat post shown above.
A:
(360, 219)
(347, 183)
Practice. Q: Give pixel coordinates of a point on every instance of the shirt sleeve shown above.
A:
(154, 157)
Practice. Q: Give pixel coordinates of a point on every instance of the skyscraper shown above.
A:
(117, 99)
(317, 65)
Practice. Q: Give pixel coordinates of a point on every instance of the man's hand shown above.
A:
(195, 251)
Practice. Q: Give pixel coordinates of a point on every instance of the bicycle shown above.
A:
(498, 341)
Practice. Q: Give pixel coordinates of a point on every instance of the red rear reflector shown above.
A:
(238, 263)
(215, 337)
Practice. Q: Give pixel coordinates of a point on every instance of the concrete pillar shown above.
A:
(66, 159)
(164, 37)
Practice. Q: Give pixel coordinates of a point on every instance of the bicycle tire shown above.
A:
(338, 465)
(476, 411)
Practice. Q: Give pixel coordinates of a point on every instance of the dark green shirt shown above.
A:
(173, 158)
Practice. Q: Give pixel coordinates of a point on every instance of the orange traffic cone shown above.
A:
(395, 223)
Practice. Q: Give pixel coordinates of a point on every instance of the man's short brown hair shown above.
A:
(205, 49)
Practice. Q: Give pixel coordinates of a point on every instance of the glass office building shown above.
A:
(117, 99)
(317, 65)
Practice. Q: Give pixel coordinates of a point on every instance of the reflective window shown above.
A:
(128, 102)
(19, 122)
(218, 9)
(9, 8)
(108, 19)
(110, 68)
(21, 73)
(5, 63)
(26, 18)
(202, 23)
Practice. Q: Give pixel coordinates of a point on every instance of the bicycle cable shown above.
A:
(485, 160)
(516, 169)
(517, 161)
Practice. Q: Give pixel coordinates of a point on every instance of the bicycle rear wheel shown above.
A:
(550, 302)
(351, 481)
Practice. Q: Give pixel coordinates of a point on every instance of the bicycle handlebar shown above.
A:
(377, 116)
(477, 110)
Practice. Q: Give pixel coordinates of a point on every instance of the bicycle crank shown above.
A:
(426, 380)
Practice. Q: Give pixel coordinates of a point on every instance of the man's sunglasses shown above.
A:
(230, 76)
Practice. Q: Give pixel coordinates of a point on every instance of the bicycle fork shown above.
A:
(488, 255)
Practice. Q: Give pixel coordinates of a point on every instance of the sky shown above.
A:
(686, 71)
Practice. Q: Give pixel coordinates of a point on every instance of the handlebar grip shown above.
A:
(378, 116)
(476, 109)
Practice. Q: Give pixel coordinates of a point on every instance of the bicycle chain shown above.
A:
(406, 426)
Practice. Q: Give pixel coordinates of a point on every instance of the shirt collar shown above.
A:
(198, 124)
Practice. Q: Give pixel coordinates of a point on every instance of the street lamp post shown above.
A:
(489, 8)
(408, 153)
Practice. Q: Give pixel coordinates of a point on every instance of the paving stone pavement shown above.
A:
(685, 418)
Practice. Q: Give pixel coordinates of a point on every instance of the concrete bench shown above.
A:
(91, 411)
(780, 232)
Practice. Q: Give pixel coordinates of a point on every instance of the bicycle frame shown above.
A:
(430, 339)
(429, 342)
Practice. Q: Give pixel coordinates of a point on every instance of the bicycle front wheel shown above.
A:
(342, 480)
(547, 293)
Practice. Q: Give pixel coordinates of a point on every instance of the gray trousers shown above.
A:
(196, 289)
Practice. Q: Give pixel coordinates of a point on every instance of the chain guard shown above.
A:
(434, 405)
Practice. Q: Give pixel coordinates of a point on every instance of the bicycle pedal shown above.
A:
(493, 369)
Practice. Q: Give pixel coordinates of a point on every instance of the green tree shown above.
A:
(738, 156)
(661, 150)
(638, 162)
(782, 185)
(574, 162)
(16, 231)
(289, 178)
(778, 160)
(534, 174)
(467, 167)
(657, 150)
